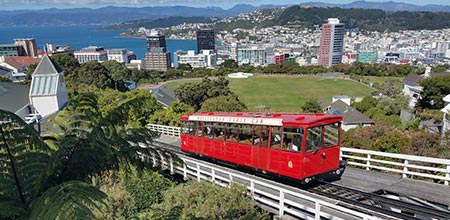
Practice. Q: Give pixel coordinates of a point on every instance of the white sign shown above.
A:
(238, 120)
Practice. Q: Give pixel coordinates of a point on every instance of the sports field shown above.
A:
(288, 93)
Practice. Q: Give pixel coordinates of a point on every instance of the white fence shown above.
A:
(406, 165)
(274, 197)
(166, 130)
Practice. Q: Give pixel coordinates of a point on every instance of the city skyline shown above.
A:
(34, 4)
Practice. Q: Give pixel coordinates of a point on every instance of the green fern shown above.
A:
(70, 200)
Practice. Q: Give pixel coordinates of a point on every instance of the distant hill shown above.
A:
(114, 15)
(158, 23)
(386, 6)
(367, 19)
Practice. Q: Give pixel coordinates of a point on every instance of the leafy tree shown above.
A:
(30, 69)
(93, 73)
(204, 200)
(312, 106)
(136, 115)
(171, 116)
(146, 189)
(367, 103)
(223, 104)
(194, 94)
(185, 67)
(116, 70)
(70, 65)
(434, 89)
(230, 64)
(392, 106)
(389, 88)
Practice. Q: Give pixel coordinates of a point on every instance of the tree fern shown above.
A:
(70, 200)
(24, 164)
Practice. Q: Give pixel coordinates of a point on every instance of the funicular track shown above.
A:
(378, 203)
(372, 204)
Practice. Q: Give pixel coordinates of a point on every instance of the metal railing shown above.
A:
(409, 166)
(278, 199)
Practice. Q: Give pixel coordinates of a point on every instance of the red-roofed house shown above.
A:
(15, 68)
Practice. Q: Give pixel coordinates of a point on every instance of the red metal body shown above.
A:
(299, 146)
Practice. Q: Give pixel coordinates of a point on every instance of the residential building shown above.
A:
(352, 118)
(29, 45)
(119, 55)
(204, 59)
(11, 50)
(252, 56)
(206, 40)
(157, 57)
(411, 85)
(367, 56)
(331, 43)
(15, 68)
(91, 53)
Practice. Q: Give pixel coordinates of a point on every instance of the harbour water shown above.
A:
(83, 36)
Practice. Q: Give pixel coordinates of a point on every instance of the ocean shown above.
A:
(83, 36)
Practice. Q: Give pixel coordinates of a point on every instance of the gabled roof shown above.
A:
(20, 61)
(446, 98)
(351, 115)
(47, 66)
(413, 79)
(13, 96)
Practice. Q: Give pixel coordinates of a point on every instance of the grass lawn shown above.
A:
(380, 80)
(288, 93)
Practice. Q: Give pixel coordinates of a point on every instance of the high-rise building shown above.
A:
(29, 46)
(157, 57)
(331, 43)
(206, 40)
(156, 39)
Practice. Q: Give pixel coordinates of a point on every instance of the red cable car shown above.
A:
(299, 146)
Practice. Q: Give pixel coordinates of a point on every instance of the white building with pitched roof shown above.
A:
(48, 92)
(446, 119)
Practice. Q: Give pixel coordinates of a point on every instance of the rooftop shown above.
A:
(13, 96)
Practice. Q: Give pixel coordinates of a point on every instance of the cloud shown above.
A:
(119, 2)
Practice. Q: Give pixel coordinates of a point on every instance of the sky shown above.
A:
(40, 4)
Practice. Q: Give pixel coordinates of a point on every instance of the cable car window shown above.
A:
(292, 139)
(314, 139)
(208, 130)
(185, 127)
(197, 126)
(264, 136)
(192, 127)
(275, 138)
(232, 132)
(219, 131)
(331, 135)
(245, 135)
